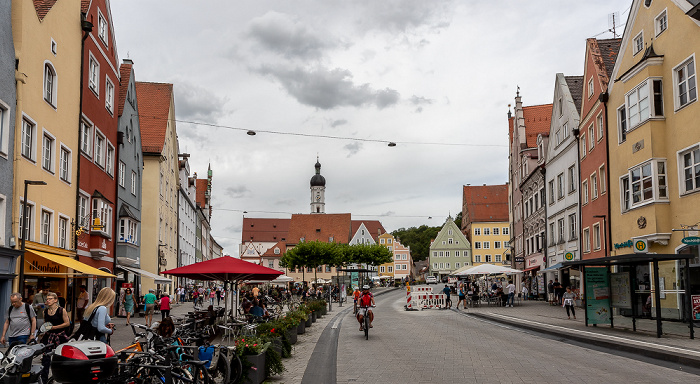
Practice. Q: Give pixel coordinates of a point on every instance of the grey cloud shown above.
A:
(404, 15)
(237, 192)
(419, 102)
(197, 103)
(338, 123)
(353, 148)
(327, 89)
(233, 228)
(286, 202)
(285, 35)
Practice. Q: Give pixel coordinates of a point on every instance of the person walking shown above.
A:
(100, 307)
(511, 294)
(569, 298)
(57, 316)
(20, 323)
(462, 296)
(128, 305)
(218, 297)
(150, 301)
(82, 303)
(447, 291)
(550, 292)
(212, 295)
(164, 304)
(524, 291)
(558, 291)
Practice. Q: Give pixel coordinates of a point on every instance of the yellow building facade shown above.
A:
(387, 240)
(490, 243)
(47, 47)
(654, 144)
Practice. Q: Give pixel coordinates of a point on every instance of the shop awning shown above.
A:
(81, 268)
(554, 267)
(157, 278)
(531, 268)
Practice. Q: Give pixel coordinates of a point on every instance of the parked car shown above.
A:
(431, 280)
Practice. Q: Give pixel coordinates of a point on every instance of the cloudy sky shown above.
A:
(341, 79)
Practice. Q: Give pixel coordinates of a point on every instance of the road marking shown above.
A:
(337, 323)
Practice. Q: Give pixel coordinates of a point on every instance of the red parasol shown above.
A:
(225, 268)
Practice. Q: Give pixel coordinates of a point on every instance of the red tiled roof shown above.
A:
(85, 5)
(43, 7)
(202, 185)
(609, 48)
(537, 120)
(154, 108)
(486, 203)
(271, 252)
(264, 230)
(124, 76)
(320, 227)
(373, 227)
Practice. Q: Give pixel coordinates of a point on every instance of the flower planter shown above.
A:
(313, 316)
(318, 314)
(324, 311)
(308, 321)
(292, 335)
(301, 328)
(277, 345)
(256, 375)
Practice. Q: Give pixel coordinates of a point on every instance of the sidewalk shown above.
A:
(675, 344)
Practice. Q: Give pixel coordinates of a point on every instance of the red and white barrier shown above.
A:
(409, 305)
(430, 300)
(422, 289)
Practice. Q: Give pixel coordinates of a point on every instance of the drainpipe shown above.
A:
(576, 133)
(603, 98)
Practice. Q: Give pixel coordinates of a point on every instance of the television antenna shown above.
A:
(612, 22)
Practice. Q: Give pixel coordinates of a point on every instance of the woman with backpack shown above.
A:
(97, 313)
(57, 316)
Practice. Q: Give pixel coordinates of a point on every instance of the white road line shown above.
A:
(337, 323)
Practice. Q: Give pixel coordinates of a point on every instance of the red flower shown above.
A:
(272, 330)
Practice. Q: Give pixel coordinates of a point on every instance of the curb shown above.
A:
(641, 348)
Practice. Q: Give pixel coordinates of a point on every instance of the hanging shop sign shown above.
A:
(569, 256)
(691, 240)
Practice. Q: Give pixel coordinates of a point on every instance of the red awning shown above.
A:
(531, 268)
(225, 268)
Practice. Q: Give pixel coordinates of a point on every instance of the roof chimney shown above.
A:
(128, 61)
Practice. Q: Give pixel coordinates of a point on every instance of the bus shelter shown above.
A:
(605, 289)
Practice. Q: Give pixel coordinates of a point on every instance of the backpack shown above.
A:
(366, 300)
(86, 331)
(26, 310)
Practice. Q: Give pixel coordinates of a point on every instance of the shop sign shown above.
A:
(127, 285)
(641, 246)
(691, 240)
(519, 259)
(626, 244)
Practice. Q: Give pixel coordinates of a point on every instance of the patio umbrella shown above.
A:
(485, 269)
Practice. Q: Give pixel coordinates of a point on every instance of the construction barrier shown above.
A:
(429, 300)
(409, 305)
(422, 289)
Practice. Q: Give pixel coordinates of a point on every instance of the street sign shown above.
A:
(569, 256)
(691, 240)
(641, 246)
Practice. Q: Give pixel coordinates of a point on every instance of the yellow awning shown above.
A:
(70, 263)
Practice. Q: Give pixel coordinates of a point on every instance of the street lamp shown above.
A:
(27, 183)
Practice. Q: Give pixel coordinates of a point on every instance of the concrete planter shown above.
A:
(301, 328)
(256, 375)
(308, 321)
(324, 311)
(313, 316)
(292, 335)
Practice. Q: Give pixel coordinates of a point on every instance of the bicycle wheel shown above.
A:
(221, 374)
(235, 368)
(191, 373)
(366, 326)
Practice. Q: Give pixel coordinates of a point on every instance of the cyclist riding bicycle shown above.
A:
(365, 303)
(355, 296)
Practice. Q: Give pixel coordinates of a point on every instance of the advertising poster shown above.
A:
(696, 306)
(621, 291)
(597, 295)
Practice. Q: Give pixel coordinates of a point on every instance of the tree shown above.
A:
(418, 239)
(316, 253)
(458, 220)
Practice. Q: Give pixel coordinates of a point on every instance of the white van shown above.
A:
(431, 280)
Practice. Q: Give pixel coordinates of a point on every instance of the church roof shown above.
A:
(315, 227)
(265, 230)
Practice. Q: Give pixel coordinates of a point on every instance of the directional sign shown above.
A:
(691, 240)
(641, 246)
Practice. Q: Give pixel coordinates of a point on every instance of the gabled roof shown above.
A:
(154, 109)
(265, 230)
(43, 7)
(537, 120)
(609, 48)
(575, 84)
(486, 203)
(373, 227)
(271, 251)
(320, 227)
(124, 75)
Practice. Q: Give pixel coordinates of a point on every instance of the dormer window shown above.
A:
(277, 251)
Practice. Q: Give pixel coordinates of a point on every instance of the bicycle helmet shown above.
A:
(365, 287)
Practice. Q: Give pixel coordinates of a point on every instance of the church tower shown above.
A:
(318, 191)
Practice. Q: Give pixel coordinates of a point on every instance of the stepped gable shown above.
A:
(154, 108)
(537, 120)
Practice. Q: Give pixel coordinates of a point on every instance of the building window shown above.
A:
(270, 263)
(381, 269)
(391, 269)
(560, 186)
(94, 75)
(457, 254)
(594, 186)
(497, 244)
(584, 191)
(560, 224)
(498, 258)
(122, 170)
(586, 240)
(686, 84)
(596, 236)
(102, 28)
(690, 159)
(449, 241)
(572, 178)
(128, 231)
(583, 146)
(45, 227)
(560, 106)
(477, 231)
(477, 245)
(591, 137)
(552, 238)
(50, 84)
(477, 258)
(506, 230)
(622, 124)
(381, 241)
(4, 128)
(48, 151)
(638, 43)
(488, 258)
(109, 95)
(487, 231)
(572, 227)
(601, 130)
(110, 160)
(638, 103)
(28, 134)
(496, 231)
(447, 253)
(99, 150)
(603, 176)
(25, 220)
(552, 199)
(84, 219)
(133, 183)
(661, 23)
(486, 245)
(442, 254)
(101, 216)
(65, 165)
(63, 232)
(644, 183)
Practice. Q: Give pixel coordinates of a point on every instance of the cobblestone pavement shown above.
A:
(445, 346)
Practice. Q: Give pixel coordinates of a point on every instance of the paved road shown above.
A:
(446, 346)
